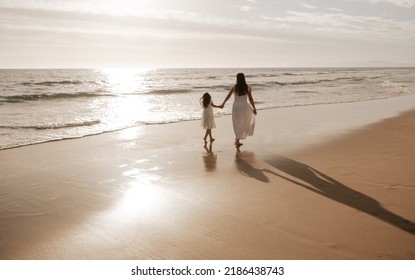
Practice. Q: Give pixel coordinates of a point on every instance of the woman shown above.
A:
(243, 113)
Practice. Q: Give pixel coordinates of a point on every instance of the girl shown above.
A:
(208, 118)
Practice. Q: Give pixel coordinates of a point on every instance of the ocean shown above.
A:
(41, 105)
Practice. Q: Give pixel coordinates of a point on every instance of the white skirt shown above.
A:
(243, 117)
(208, 118)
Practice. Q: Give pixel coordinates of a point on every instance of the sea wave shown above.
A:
(316, 81)
(168, 91)
(54, 83)
(52, 126)
(279, 74)
(50, 96)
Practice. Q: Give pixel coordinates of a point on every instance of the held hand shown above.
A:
(221, 106)
(255, 111)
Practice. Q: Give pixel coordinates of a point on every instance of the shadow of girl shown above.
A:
(318, 182)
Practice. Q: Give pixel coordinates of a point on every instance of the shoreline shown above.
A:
(377, 118)
(328, 182)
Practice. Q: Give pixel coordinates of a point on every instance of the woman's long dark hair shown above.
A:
(206, 98)
(241, 87)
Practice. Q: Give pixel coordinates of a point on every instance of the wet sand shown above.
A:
(317, 182)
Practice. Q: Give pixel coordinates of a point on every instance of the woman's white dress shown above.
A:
(208, 117)
(243, 117)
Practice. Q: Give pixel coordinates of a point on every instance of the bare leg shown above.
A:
(210, 135)
(237, 143)
(206, 135)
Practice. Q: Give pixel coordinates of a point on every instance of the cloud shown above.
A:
(86, 11)
(247, 8)
(340, 23)
(335, 10)
(243, 8)
(307, 6)
(400, 3)
(132, 22)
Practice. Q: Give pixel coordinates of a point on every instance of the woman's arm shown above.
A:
(251, 99)
(227, 98)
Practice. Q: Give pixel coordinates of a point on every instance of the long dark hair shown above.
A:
(206, 98)
(241, 87)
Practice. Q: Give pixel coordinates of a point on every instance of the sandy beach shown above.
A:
(316, 182)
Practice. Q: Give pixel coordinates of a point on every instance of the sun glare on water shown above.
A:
(126, 80)
(132, 104)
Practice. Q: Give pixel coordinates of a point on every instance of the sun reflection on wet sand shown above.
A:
(130, 133)
(137, 199)
(140, 194)
(129, 138)
(139, 203)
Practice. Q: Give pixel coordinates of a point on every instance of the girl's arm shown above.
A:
(251, 100)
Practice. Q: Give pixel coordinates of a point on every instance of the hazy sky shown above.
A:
(201, 33)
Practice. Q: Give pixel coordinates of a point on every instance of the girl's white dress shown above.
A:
(208, 117)
(243, 117)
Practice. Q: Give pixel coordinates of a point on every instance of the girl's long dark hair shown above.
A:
(206, 98)
(241, 87)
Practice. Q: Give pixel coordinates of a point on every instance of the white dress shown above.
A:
(208, 118)
(243, 117)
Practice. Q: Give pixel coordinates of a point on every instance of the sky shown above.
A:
(201, 33)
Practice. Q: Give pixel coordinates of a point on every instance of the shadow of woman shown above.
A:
(318, 182)
(242, 160)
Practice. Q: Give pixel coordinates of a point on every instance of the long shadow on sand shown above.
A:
(313, 180)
